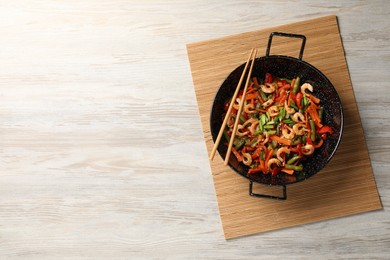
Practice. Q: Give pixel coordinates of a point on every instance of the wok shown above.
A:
(283, 67)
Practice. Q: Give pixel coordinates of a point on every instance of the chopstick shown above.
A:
(242, 101)
(229, 111)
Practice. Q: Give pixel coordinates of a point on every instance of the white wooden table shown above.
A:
(101, 147)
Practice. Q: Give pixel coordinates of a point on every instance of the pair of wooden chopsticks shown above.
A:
(251, 58)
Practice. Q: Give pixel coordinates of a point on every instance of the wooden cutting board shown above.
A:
(344, 187)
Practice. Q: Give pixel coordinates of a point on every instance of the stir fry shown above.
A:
(280, 127)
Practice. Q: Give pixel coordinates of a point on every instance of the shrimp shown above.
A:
(249, 108)
(289, 110)
(309, 87)
(266, 138)
(280, 151)
(306, 86)
(268, 88)
(236, 104)
(299, 129)
(273, 161)
(240, 134)
(268, 103)
(273, 111)
(253, 125)
(247, 159)
(299, 118)
(308, 149)
(288, 133)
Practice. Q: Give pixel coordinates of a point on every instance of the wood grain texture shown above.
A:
(102, 154)
(331, 193)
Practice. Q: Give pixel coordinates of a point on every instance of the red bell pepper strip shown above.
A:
(314, 99)
(314, 115)
(325, 129)
(237, 154)
(276, 170)
(298, 99)
(308, 139)
(281, 98)
(269, 155)
(256, 154)
(255, 170)
(260, 168)
(268, 78)
(297, 149)
(291, 96)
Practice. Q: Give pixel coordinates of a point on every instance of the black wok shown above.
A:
(284, 67)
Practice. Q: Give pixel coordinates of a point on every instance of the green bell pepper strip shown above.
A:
(225, 134)
(313, 130)
(294, 159)
(296, 87)
(321, 112)
(293, 105)
(263, 95)
(242, 119)
(294, 167)
(305, 101)
(239, 143)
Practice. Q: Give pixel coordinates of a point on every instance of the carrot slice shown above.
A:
(288, 171)
(281, 140)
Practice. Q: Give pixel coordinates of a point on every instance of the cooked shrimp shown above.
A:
(240, 127)
(247, 159)
(273, 161)
(306, 86)
(236, 104)
(253, 125)
(288, 133)
(289, 110)
(299, 129)
(280, 151)
(273, 111)
(274, 125)
(268, 88)
(268, 103)
(249, 108)
(308, 149)
(299, 117)
(266, 139)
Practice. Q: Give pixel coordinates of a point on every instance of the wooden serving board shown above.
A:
(345, 186)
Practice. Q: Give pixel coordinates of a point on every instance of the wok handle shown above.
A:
(283, 197)
(291, 35)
